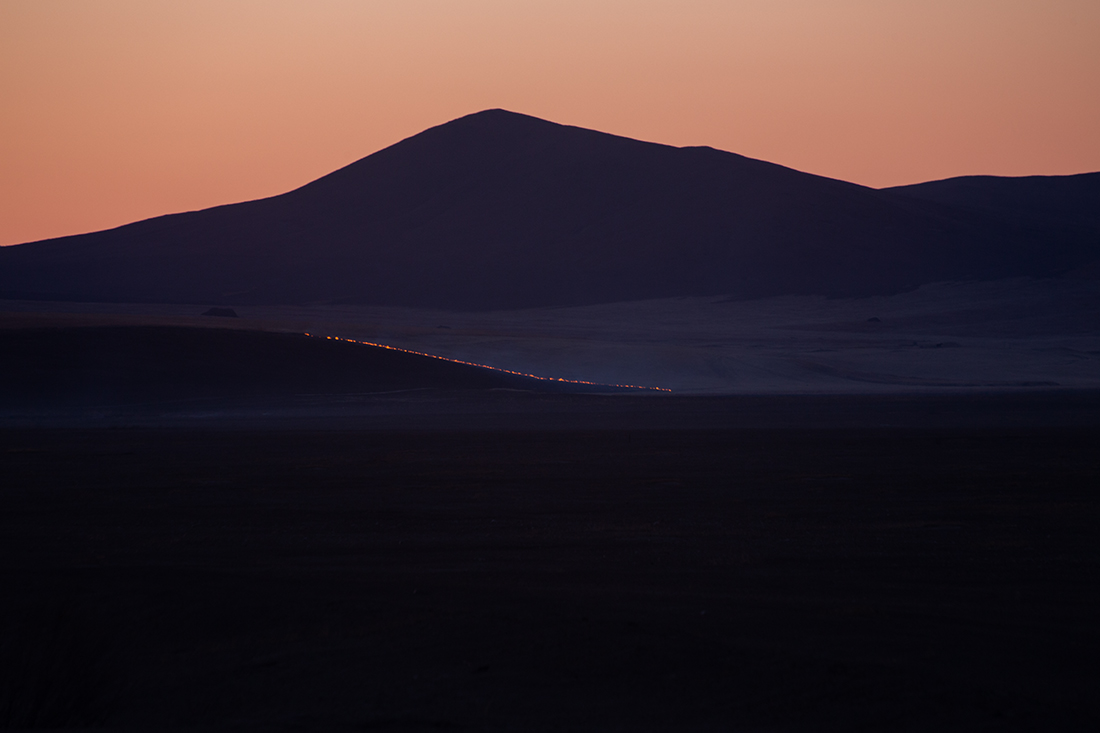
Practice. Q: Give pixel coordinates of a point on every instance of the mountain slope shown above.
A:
(1045, 212)
(1064, 201)
(501, 210)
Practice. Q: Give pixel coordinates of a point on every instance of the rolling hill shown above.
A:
(171, 366)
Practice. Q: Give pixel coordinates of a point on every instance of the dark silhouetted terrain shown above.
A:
(75, 368)
(639, 580)
(498, 210)
(1035, 203)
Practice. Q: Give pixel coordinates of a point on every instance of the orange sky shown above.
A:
(117, 110)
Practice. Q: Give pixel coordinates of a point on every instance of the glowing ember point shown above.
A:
(486, 366)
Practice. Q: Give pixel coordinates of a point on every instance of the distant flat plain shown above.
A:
(940, 338)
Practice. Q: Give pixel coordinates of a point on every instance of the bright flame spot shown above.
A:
(486, 366)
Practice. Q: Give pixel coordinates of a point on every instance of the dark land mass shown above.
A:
(795, 579)
(498, 210)
(1028, 203)
(89, 370)
(159, 367)
(228, 529)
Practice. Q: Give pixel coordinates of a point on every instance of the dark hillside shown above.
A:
(99, 366)
(1065, 201)
(1040, 209)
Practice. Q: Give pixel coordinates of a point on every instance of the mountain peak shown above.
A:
(497, 115)
(509, 125)
(499, 209)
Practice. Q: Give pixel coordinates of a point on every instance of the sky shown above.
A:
(113, 111)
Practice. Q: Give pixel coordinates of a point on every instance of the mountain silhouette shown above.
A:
(1038, 211)
(502, 210)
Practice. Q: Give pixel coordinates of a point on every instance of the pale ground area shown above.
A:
(1011, 334)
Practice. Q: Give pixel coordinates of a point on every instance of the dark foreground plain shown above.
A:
(943, 573)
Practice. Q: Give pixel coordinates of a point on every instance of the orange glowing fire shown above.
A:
(486, 366)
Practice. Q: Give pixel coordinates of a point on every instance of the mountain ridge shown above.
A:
(498, 210)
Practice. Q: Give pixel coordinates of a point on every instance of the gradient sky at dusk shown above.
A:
(117, 110)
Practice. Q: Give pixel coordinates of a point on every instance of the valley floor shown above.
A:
(947, 337)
